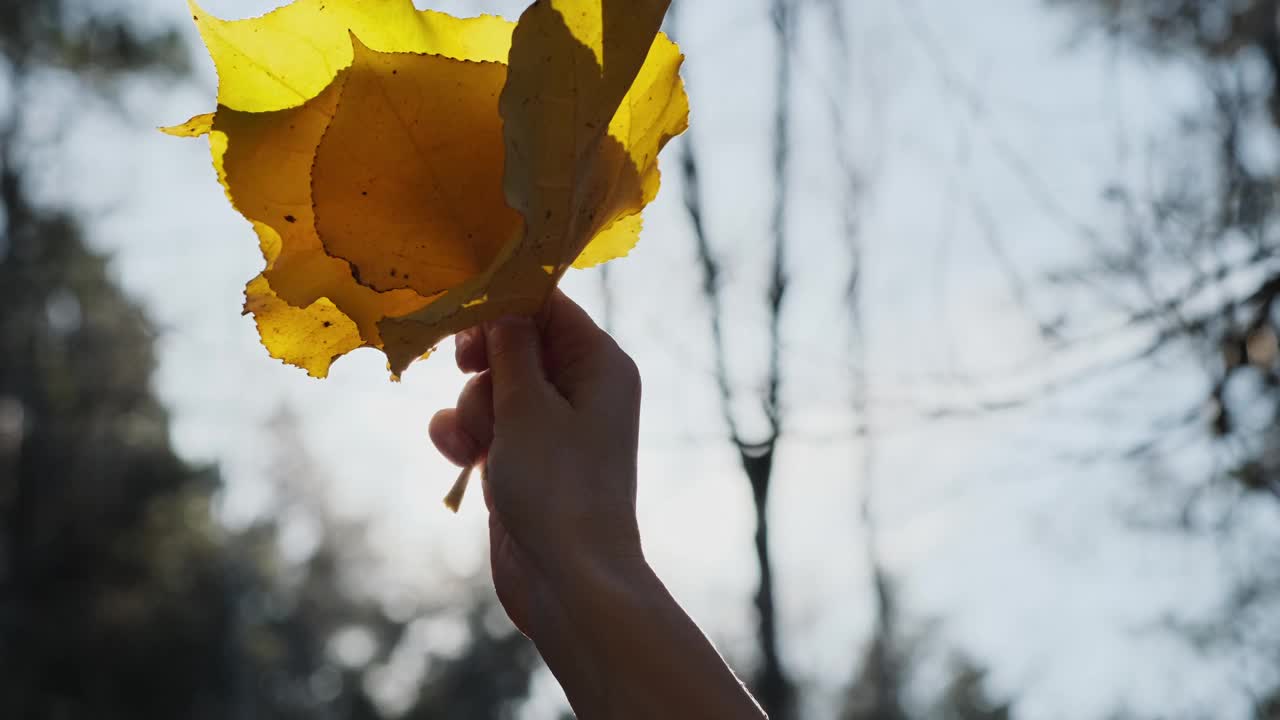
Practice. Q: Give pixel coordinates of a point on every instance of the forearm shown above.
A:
(622, 648)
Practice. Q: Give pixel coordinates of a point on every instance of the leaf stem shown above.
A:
(453, 500)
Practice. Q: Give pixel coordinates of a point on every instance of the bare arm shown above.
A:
(622, 647)
(554, 415)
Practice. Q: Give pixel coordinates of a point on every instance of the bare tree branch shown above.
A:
(881, 678)
(773, 687)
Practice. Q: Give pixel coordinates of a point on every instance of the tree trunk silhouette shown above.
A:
(770, 683)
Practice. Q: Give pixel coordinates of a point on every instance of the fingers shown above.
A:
(470, 352)
(514, 349)
(451, 440)
(475, 410)
(570, 352)
(572, 340)
(581, 357)
(463, 434)
(564, 325)
(568, 324)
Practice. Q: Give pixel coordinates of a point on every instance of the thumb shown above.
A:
(515, 359)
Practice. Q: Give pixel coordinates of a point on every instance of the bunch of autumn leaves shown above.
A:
(410, 174)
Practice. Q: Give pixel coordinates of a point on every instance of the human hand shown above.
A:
(554, 417)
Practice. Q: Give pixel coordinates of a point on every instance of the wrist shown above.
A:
(622, 647)
(584, 587)
(578, 624)
(576, 549)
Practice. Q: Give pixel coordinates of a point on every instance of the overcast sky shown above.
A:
(986, 139)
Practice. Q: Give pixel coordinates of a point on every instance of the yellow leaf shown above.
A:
(558, 104)
(311, 337)
(654, 110)
(407, 182)
(198, 126)
(614, 242)
(267, 167)
(289, 55)
(572, 64)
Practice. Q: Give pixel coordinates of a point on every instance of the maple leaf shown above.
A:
(410, 174)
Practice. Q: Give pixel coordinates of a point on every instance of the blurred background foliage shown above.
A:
(123, 596)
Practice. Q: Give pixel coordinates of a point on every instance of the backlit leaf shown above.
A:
(268, 178)
(410, 174)
(613, 242)
(197, 126)
(289, 55)
(565, 173)
(310, 338)
(413, 158)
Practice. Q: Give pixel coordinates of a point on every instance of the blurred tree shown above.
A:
(1194, 270)
(121, 596)
(879, 690)
(110, 585)
(886, 672)
(966, 696)
(1195, 266)
(889, 683)
(330, 597)
(771, 683)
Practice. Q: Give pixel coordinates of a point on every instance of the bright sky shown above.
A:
(978, 125)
